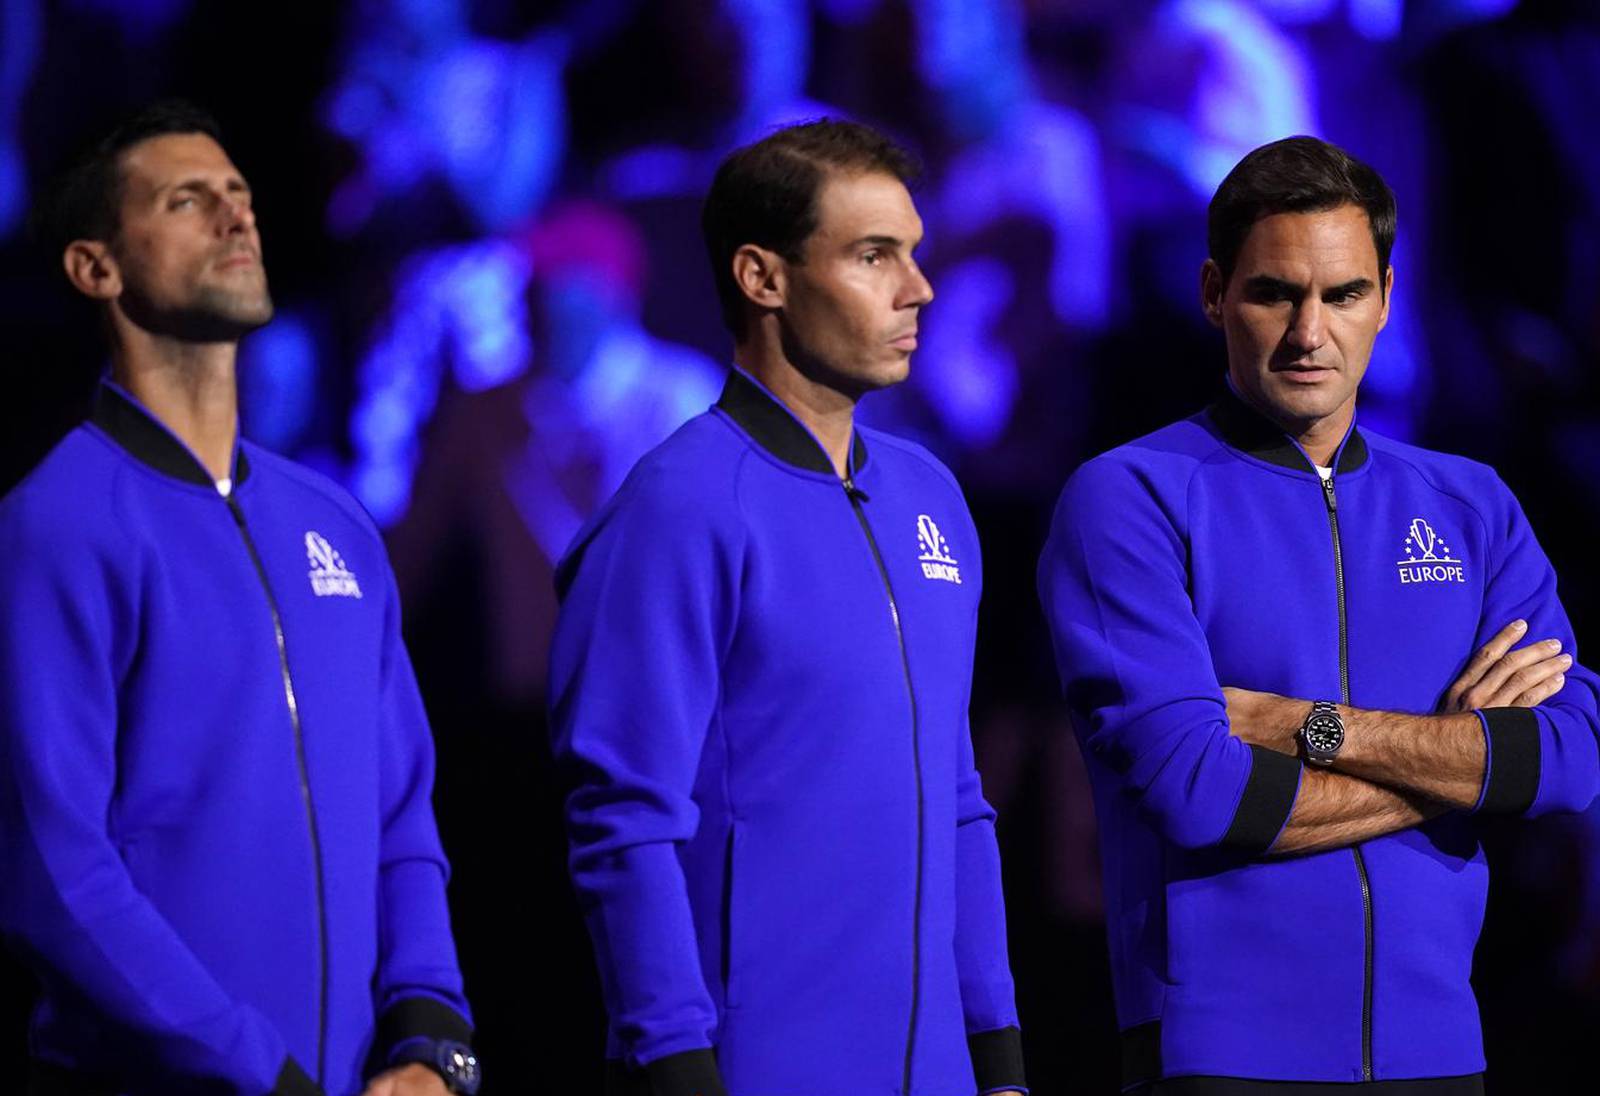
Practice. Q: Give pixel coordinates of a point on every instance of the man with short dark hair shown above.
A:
(220, 857)
(1295, 885)
(760, 683)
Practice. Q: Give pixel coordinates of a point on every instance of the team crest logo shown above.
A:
(329, 576)
(1428, 557)
(933, 551)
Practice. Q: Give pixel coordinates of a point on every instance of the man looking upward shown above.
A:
(760, 683)
(1294, 882)
(219, 857)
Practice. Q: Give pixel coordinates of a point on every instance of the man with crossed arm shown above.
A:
(1294, 883)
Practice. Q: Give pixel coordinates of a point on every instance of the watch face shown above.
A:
(1324, 734)
(459, 1066)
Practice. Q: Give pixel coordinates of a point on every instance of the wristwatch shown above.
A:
(1322, 734)
(451, 1060)
(459, 1066)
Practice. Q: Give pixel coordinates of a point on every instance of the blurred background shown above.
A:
(481, 228)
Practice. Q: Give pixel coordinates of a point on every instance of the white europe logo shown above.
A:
(933, 551)
(1428, 557)
(329, 576)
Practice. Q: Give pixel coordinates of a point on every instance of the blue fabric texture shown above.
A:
(159, 868)
(1200, 556)
(777, 831)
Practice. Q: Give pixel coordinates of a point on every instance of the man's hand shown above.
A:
(1498, 677)
(414, 1079)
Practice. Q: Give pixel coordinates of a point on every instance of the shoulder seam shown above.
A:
(1114, 456)
(1424, 474)
(320, 485)
(918, 452)
(738, 491)
(744, 532)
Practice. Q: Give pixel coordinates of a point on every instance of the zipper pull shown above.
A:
(1327, 491)
(852, 490)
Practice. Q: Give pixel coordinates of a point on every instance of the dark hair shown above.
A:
(83, 202)
(766, 194)
(1296, 175)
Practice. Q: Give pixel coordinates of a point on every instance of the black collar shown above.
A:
(1249, 431)
(137, 431)
(777, 431)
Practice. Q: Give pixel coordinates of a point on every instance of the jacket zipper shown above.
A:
(1355, 850)
(855, 496)
(305, 788)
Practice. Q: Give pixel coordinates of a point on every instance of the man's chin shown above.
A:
(861, 379)
(1300, 402)
(893, 373)
(225, 321)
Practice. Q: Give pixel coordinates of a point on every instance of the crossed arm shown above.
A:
(1139, 677)
(1397, 770)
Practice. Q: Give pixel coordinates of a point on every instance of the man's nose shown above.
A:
(236, 215)
(917, 290)
(1309, 328)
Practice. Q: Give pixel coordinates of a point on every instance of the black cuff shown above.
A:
(1513, 760)
(691, 1073)
(1267, 800)
(294, 1081)
(1141, 1055)
(420, 1018)
(997, 1059)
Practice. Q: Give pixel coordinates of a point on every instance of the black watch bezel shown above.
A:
(459, 1067)
(1322, 733)
(454, 1062)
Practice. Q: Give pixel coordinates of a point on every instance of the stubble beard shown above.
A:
(214, 313)
(234, 313)
(1297, 410)
(848, 379)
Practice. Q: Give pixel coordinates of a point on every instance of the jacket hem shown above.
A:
(689, 1073)
(1467, 1085)
(48, 1079)
(1141, 1054)
(294, 1081)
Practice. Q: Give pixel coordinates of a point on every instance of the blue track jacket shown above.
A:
(1210, 553)
(759, 686)
(218, 849)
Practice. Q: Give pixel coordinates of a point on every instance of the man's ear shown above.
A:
(92, 269)
(761, 275)
(1388, 295)
(1212, 285)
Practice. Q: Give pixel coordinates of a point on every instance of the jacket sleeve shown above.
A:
(1545, 758)
(1137, 671)
(68, 906)
(418, 987)
(988, 994)
(649, 599)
